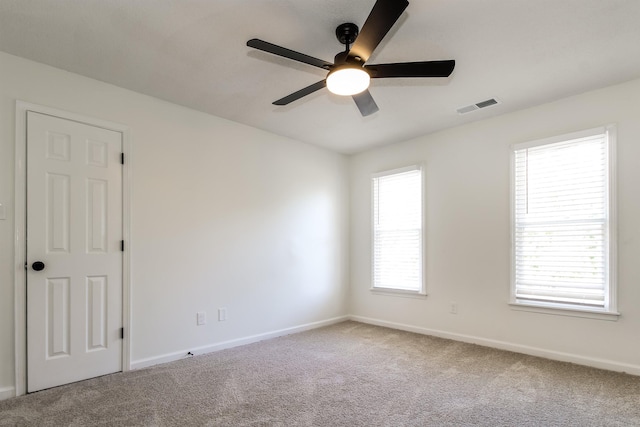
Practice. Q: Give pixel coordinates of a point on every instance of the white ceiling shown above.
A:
(194, 53)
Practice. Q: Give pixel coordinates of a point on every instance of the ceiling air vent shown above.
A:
(479, 105)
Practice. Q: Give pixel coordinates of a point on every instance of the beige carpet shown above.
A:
(350, 374)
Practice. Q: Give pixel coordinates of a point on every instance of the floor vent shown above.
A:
(479, 105)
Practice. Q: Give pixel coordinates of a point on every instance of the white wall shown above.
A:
(223, 215)
(468, 234)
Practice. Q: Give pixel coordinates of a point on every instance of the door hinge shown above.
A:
(122, 158)
(121, 333)
(122, 245)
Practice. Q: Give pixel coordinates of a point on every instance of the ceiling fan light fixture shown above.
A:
(348, 80)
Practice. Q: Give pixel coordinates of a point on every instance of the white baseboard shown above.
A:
(170, 357)
(609, 365)
(7, 392)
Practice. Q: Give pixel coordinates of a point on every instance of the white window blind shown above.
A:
(561, 223)
(397, 230)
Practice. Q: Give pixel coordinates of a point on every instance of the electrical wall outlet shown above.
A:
(201, 318)
(222, 314)
(453, 309)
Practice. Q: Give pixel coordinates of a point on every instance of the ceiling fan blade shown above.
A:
(365, 103)
(288, 53)
(412, 69)
(302, 92)
(384, 14)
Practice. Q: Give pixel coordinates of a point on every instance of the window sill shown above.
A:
(566, 311)
(398, 293)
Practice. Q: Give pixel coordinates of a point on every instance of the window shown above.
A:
(563, 223)
(397, 230)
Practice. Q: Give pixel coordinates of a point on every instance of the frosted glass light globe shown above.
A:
(348, 81)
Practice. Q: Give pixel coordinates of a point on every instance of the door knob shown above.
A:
(38, 265)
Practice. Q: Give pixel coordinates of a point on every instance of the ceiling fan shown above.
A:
(348, 75)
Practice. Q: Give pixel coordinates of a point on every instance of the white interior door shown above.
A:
(74, 229)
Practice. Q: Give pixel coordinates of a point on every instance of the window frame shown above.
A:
(421, 292)
(609, 311)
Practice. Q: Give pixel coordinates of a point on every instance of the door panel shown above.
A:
(74, 226)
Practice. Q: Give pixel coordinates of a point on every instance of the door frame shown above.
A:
(20, 249)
